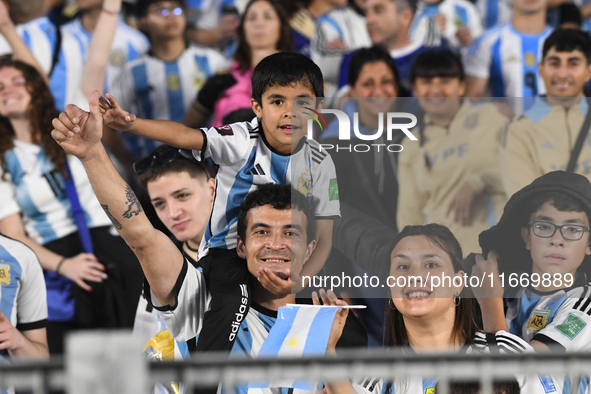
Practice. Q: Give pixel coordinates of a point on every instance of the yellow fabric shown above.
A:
(466, 151)
(163, 344)
(303, 22)
(531, 148)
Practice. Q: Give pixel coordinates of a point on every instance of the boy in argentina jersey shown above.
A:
(162, 83)
(270, 149)
(542, 139)
(502, 62)
(543, 233)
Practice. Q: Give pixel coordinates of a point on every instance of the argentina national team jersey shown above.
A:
(128, 44)
(247, 161)
(494, 12)
(509, 60)
(22, 287)
(39, 190)
(154, 89)
(458, 13)
(40, 36)
(557, 318)
(500, 342)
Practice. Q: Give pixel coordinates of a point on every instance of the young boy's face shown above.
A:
(556, 255)
(564, 73)
(283, 125)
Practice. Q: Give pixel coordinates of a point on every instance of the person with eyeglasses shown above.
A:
(542, 240)
(163, 83)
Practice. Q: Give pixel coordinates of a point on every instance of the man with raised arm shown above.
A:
(276, 234)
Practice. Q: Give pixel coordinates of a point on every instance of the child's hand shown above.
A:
(491, 286)
(114, 116)
(464, 36)
(340, 318)
(273, 282)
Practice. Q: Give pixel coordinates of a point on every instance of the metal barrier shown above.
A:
(109, 363)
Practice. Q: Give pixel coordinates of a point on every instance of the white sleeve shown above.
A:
(477, 59)
(217, 62)
(327, 59)
(530, 384)
(369, 386)
(474, 21)
(122, 89)
(225, 145)
(325, 190)
(185, 319)
(32, 297)
(569, 328)
(8, 202)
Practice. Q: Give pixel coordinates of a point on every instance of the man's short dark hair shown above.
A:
(561, 201)
(404, 4)
(568, 40)
(434, 63)
(141, 7)
(284, 69)
(179, 164)
(280, 197)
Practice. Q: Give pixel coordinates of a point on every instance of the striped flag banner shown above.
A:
(300, 330)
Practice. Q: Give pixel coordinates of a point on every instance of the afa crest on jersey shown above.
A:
(4, 273)
(539, 320)
(305, 184)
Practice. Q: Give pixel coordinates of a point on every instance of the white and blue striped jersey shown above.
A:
(22, 287)
(39, 190)
(494, 12)
(246, 161)
(341, 23)
(154, 89)
(458, 13)
(509, 60)
(40, 35)
(500, 342)
(558, 318)
(128, 44)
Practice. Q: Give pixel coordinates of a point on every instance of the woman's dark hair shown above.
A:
(437, 63)
(374, 54)
(40, 113)
(465, 326)
(243, 54)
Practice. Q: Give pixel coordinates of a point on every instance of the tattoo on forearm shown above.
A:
(117, 225)
(133, 205)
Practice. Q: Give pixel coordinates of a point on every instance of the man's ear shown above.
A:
(257, 108)
(525, 235)
(319, 105)
(240, 248)
(309, 249)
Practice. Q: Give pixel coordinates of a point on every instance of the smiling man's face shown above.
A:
(275, 239)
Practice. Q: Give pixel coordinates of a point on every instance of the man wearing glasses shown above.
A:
(164, 82)
(542, 239)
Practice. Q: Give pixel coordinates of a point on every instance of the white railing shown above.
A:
(110, 362)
